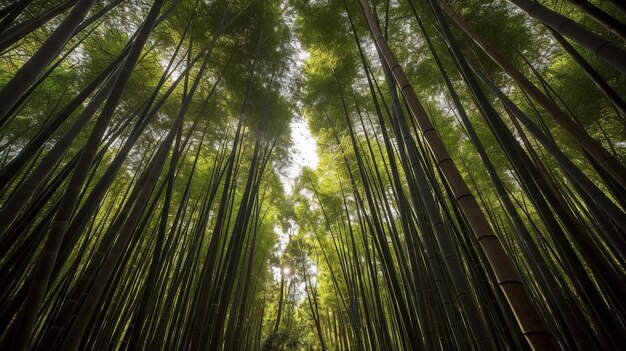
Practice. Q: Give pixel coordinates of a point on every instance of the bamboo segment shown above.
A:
(28, 73)
(517, 297)
(603, 18)
(612, 165)
(602, 48)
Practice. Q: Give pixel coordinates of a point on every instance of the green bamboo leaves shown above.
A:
(469, 194)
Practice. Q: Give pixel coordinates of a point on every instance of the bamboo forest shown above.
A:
(312, 175)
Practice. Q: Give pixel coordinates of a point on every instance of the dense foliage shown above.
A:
(470, 191)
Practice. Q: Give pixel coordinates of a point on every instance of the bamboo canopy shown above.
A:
(312, 175)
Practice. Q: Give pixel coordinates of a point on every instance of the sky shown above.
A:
(304, 148)
(303, 152)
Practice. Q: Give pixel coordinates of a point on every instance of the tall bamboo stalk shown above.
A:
(520, 302)
(611, 164)
(604, 49)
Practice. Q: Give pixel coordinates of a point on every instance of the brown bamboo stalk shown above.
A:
(517, 297)
(611, 164)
